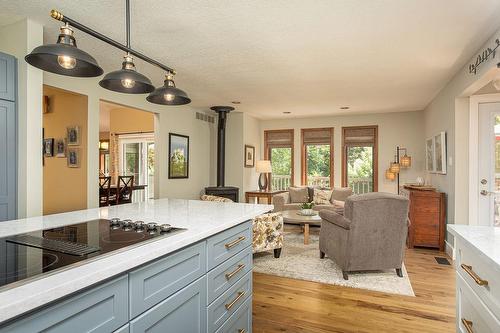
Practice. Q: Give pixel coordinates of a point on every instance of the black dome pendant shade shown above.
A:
(127, 80)
(64, 57)
(168, 94)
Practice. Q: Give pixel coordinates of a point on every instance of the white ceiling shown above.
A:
(307, 57)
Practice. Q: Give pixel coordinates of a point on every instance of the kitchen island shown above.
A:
(198, 278)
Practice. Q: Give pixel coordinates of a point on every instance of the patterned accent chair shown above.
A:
(206, 197)
(267, 229)
(268, 233)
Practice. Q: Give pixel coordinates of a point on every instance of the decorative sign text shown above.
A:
(483, 56)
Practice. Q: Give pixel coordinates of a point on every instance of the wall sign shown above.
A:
(483, 56)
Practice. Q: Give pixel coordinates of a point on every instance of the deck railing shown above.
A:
(280, 182)
(358, 185)
(361, 185)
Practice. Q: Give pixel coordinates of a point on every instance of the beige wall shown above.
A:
(404, 129)
(127, 120)
(64, 188)
(18, 39)
(252, 137)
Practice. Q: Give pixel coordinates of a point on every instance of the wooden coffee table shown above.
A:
(291, 216)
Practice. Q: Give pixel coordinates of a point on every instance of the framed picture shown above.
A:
(60, 148)
(178, 155)
(73, 135)
(429, 155)
(440, 153)
(48, 147)
(249, 156)
(73, 157)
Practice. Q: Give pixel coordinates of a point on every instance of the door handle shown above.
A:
(486, 193)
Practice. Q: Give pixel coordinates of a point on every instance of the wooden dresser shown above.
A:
(427, 218)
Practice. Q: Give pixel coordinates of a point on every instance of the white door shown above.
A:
(489, 164)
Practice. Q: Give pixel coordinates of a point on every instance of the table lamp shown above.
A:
(263, 167)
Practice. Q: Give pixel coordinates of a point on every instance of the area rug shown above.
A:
(299, 261)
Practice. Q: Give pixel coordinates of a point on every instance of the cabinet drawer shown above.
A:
(153, 283)
(102, 309)
(224, 245)
(470, 265)
(123, 329)
(183, 312)
(224, 306)
(226, 274)
(240, 321)
(472, 312)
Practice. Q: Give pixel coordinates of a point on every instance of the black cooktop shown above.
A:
(28, 255)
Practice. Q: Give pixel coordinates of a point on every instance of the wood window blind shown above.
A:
(279, 138)
(317, 136)
(356, 137)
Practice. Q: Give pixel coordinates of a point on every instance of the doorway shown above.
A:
(127, 147)
(489, 164)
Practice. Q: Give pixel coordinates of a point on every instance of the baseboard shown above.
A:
(449, 249)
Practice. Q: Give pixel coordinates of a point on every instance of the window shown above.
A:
(279, 149)
(317, 157)
(359, 158)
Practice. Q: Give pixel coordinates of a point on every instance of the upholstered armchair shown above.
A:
(268, 233)
(370, 236)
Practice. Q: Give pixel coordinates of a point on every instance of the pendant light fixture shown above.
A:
(127, 80)
(64, 57)
(168, 94)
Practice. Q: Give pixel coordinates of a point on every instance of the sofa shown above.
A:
(371, 235)
(296, 196)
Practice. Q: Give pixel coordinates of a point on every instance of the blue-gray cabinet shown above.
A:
(8, 138)
(176, 293)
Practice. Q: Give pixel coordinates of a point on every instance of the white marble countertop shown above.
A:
(485, 240)
(202, 219)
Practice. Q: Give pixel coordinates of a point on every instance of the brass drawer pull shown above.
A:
(242, 330)
(235, 242)
(468, 325)
(474, 275)
(233, 302)
(233, 273)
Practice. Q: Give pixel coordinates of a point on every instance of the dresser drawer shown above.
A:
(472, 312)
(123, 329)
(102, 309)
(226, 274)
(224, 306)
(240, 321)
(483, 279)
(152, 283)
(224, 245)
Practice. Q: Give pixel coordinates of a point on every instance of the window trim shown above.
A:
(303, 164)
(267, 151)
(375, 155)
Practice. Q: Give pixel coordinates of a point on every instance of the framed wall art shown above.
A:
(178, 155)
(249, 156)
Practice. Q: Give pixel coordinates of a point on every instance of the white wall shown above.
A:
(18, 39)
(403, 128)
(449, 112)
(251, 136)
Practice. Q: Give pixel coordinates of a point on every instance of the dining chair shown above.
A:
(104, 191)
(124, 189)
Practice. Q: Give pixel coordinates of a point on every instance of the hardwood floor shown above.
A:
(289, 305)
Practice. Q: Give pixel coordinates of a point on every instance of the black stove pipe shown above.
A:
(222, 111)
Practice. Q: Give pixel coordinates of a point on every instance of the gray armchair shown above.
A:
(370, 236)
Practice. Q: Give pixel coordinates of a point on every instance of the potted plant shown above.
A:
(306, 208)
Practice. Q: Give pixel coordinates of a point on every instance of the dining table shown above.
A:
(113, 190)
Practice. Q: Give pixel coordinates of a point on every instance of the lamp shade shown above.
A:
(263, 166)
(390, 175)
(405, 161)
(395, 167)
(64, 57)
(168, 94)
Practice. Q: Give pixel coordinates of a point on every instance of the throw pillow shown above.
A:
(321, 197)
(298, 195)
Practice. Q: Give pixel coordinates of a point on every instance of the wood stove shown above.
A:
(221, 190)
